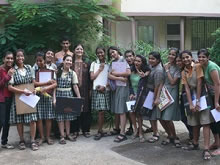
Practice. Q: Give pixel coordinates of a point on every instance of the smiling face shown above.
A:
(203, 59)
(49, 56)
(19, 58)
(179, 63)
(67, 63)
(114, 54)
(79, 51)
(129, 58)
(8, 60)
(138, 62)
(100, 54)
(172, 56)
(40, 61)
(186, 59)
(153, 61)
(65, 45)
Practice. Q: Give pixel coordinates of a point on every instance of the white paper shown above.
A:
(129, 104)
(148, 103)
(30, 100)
(216, 115)
(44, 77)
(203, 103)
(119, 67)
(102, 78)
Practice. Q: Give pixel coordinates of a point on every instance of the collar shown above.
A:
(98, 61)
(25, 66)
(187, 70)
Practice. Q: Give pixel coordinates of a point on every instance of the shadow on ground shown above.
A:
(157, 154)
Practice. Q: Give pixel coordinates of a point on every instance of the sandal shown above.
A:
(40, 141)
(216, 152)
(167, 141)
(70, 138)
(34, 146)
(8, 146)
(135, 135)
(49, 141)
(87, 134)
(120, 138)
(148, 130)
(21, 145)
(177, 143)
(191, 147)
(99, 135)
(206, 154)
(154, 139)
(129, 132)
(62, 140)
(115, 132)
(142, 139)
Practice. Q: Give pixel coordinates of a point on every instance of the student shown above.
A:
(181, 66)
(172, 112)
(23, 75)
(192, 77)
(212, 78)
(66, 79)
(50, 60)
(140, 72)
(155, 82)
(6, 72)
(119, 97)
(100, 95)
(81, 67)
(45, 109)
(130, 56)
(65, 44)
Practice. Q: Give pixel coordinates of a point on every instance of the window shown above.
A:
(173, 35)
(145, 32)
(202, 29)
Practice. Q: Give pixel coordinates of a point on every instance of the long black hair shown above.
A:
(113, 48)
(144, 65)
(59, 69)
(156, 55)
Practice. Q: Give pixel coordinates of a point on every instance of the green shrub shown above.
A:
(215, 49)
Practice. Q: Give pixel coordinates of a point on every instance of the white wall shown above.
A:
(186, 7)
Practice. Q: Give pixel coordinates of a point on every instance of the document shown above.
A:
(102, 78)
(165, 99)
(216, 115)
(130, 105)
(30, 100)
(119, 67)
(203, 103)
(148, 103)
(45, 76)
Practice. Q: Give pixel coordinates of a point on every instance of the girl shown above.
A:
(101, 95)
(6, 71)
(81, 67)
(45, 105)
(212, 79)
(140, 72)
(155, 82)
(66, 78)
(23, 75)
(172, 112)
(121, 94)
(192, 76)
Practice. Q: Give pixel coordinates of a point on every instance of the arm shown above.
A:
(157, 91)
(123, 74)
(93, 75)
(188, 95)
(18, 91)
(76, 90)
(5, 78)
(112, 77)
(172, 80)
(215, 78)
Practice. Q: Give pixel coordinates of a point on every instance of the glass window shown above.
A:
(173, 29)
(146, 33)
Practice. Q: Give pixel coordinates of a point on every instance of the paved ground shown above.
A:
(103, 152)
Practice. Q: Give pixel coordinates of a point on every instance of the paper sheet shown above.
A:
(102, 77)
(30, 100)
(119, 67)
(130, 104)
(148, 103)
(203, 103)
(216, 115)
(44, 76)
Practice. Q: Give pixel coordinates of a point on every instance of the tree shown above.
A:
(215, 49)
(37, 26)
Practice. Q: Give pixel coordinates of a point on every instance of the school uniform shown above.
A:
(21, 76)
(100, 100)
(64, 89)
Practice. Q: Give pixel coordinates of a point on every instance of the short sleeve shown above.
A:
(11, 82)
(177, 74)
(183, 78)
(158, 78)
(92, 67)
(54, 76)
(75, 79)
(199, 71)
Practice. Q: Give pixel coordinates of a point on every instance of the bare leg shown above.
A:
(67, 126)
(20, 129)
(117, 121)
(123, 123)
(40, 128)
(140, 123)
(133, 120)
(206, 134)
(154, 126)
(33, 130)
(101, 121)
(61, 128)
(165, 125)
(196, 130)
(48, 128)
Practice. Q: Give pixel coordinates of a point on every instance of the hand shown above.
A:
(101, 67)
(51, 82)
(27, 93)
(132, 97)
(197, 108)
(192, 108)
(156, 102)
(167, 67)
(217, 107)
(124, 79)
(141, 73)
(11, 72)
(43, 90)
(101, 89)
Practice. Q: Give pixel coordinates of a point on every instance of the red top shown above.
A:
(4, 79)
